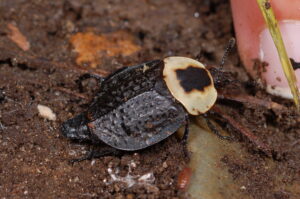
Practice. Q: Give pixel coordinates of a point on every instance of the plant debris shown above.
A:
(17, 37)
(91, 48)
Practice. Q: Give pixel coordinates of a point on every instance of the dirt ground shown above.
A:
(46, 45)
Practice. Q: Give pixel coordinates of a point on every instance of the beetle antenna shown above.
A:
(229, 47)
(199, 55)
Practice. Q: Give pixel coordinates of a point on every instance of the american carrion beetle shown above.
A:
(141, 105)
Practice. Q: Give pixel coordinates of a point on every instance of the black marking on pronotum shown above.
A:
(295, 64)
(141, 105)
(193, 78)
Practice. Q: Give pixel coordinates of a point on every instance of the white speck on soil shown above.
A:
(130, 180)
(133, 164)
(76, 179)
(147, 178)
(165, 165)
(46, 112)
(93, 162)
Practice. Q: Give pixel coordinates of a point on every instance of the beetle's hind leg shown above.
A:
(88, 76)
(85, 76)
(98, 153)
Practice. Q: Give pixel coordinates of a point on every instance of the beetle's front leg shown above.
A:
(186, 130)
(215, 130)
(186, 136)
(243, 130)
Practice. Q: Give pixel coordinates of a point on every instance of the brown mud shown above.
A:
(39, 65)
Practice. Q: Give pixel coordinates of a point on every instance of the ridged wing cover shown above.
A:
(140, 122)
(123, 85)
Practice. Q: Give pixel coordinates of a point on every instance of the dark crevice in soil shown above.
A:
(13, 63)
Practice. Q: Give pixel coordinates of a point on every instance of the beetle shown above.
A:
(141, 105)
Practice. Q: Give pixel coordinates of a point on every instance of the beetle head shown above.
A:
(190, 83)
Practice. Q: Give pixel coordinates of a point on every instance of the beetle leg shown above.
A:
(85, 76)
(88, 75)
(186, 131)
(107, 151)
(186, 136)
(215, 130)
(88, 156)
(243, 130)
(93, 153)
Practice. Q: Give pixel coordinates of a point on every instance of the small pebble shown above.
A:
(165, 165)
(46, 112)
(93, 162)
(196, 14)
(129, 196)
(119, 196)
(116, 188)
(133, 164)
(76, 179)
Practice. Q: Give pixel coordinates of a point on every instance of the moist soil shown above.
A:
(35, 156)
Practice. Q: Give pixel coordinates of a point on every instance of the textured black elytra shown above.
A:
(133, 110)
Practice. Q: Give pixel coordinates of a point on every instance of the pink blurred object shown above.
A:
(254, 40)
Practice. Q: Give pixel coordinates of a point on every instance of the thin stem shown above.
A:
(272, 24)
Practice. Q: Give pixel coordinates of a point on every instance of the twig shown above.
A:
(247, 99)
(271, 21)
(243, 130)
(17, 57)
